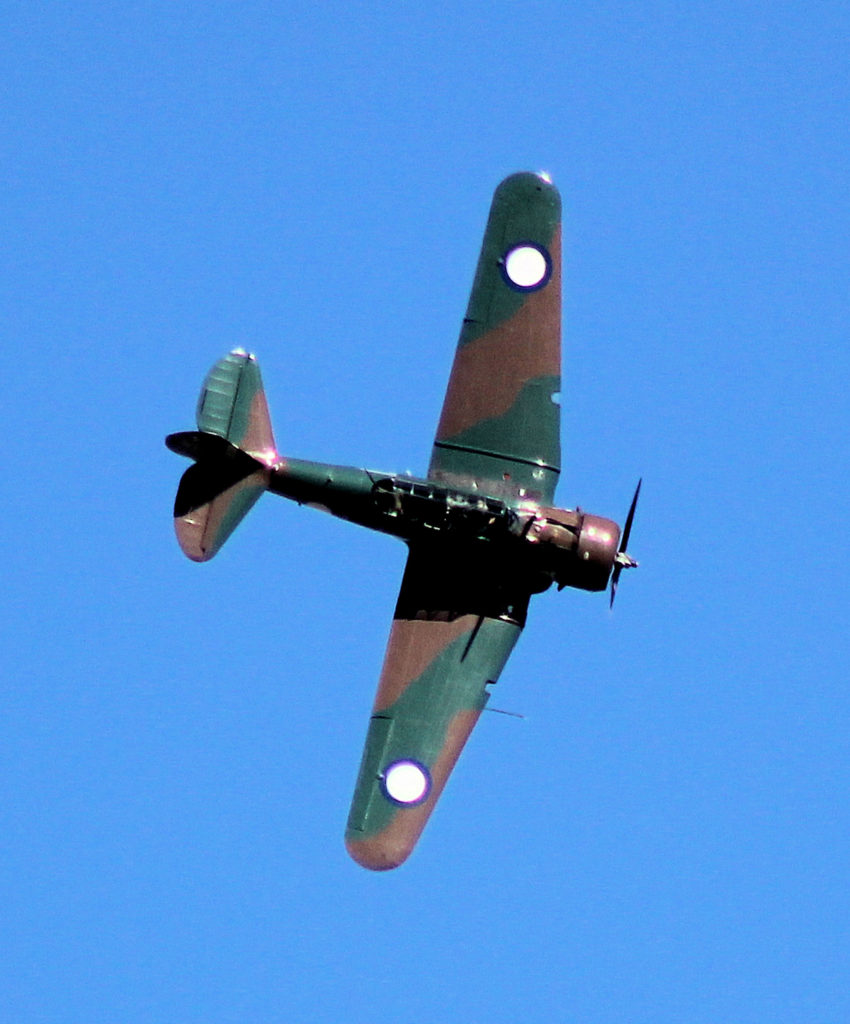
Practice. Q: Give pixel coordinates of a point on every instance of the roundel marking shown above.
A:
(406, 782)
(526, 267)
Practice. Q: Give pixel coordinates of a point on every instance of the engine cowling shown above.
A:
(576, 549)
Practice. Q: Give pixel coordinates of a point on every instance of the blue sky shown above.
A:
(665, 837)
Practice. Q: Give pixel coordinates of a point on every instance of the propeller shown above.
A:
(624, 560)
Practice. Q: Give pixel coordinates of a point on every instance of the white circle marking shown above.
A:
(406, 782)
(526, 266)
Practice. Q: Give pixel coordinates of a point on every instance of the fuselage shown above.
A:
(546, 545)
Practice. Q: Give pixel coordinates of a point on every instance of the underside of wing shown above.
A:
(454, 626)
(499, 431)
(215, 494)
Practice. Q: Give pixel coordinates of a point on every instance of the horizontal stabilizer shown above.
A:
(233, 450)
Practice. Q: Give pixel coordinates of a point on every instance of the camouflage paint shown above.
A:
(232, 405)
(499, 431)
(201, 532)
(481, 535)
(499, 434)
(432, 689)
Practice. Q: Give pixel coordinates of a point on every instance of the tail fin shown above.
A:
(233, 450)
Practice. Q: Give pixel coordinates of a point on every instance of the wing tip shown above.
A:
(529, 182)
(380, 853)
(190, 536)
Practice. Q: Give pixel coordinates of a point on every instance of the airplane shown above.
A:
(481, 528)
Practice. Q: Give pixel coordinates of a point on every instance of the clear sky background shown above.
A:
(665, 837)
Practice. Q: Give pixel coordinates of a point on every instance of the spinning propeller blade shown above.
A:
(624, 560)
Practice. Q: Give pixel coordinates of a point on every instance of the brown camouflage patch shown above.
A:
(413, 645)
(259, 438)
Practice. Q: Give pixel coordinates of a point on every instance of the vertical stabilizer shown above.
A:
(233, 405)
(234, 450)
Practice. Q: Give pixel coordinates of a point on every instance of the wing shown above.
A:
(450, 639)
(500, 426)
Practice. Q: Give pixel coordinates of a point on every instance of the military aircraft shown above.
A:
(481, 529)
